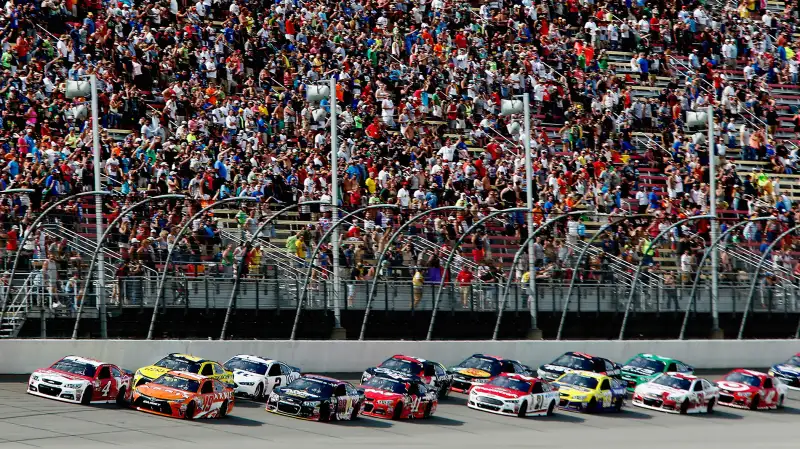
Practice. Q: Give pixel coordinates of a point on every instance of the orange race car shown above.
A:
(184, 395)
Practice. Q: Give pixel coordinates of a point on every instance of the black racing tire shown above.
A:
(444, 391)
(189, 415)
(618, 405)
(121, 397)
(685, 407)
(428, 409)
(779, 405)
(324, 413)
(523, 409)
(354, 413)
(592, 407)
(398, 411)
(710, 408)
(86, 399)
(755, 403)
(259, 394)
(551, 408)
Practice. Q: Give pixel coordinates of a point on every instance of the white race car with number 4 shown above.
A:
(82, 380)
(256, 377)
(677, 393)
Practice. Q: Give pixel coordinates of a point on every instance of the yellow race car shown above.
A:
(185, 363)
(585, 391)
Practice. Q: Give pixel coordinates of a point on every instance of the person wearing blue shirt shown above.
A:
(222, 170)
(13, 168)
(654, 199)
(644, 68)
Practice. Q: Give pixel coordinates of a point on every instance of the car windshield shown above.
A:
(641, 362)
(71, 366)
(491, 366)
(179, 383)
(511, 384)
(577, 380)
(403, 366)
(674, 382)
(382, 383)
(312, 386)
(246, 365)
(743, 378)
(794, 361)
(574, 362)
(178, 364)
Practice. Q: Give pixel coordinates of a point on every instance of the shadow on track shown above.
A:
(559, 416)
(249, 404)
(437, 420)
(787, 411)
(364, 422)
(626, 413)
(234, 420)
(719, 414)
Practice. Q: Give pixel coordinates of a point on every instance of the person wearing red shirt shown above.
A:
(465, 278)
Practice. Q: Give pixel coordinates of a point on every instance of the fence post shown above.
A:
(385, 297)
(452, 300)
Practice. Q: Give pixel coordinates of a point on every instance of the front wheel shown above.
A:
(523, 409)
(710, 409)
(685, 407)
(86, 399)
(444, 390)
(618, 405)
(189, 415)
(428, 409)
(259, 394)
(780, 403)
(324, 413)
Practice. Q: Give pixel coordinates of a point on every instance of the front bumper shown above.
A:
(376, 410)
(730, 400)
(293, 409)
(492, 405)
(57, 392)
(463, 384)
(247, 390)
(566, 403)
(658, 404)
(159, 407)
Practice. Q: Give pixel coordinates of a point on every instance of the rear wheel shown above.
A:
(779, 405)
(86, 399)
(398, 411)
(428, 409)
(121, 398)
(710, 409)
(685, 407)
(223, 410)
(618, 405)
(754, 404)
(523, 409)
(189, 411)
(551, 408)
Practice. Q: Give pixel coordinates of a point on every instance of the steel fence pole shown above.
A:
(453, 254)
(641, 262)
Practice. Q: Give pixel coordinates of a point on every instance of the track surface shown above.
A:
(27, 421)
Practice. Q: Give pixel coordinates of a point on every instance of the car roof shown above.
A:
(188, 357)
(409, 358)
(682, 375)
(185, 375)
(326, 379)
(490, 357)
(397, 378)
(658, 358)
(581, 354)
(750, 372)
(521, 377)
(87, 361)
(253, 358)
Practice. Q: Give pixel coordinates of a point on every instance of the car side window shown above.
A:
(537, 388)
(609, 366)
(219, 387)
(698, 386)
(351, 391)
(605, 385)
(207, 370)
(115, 372)
(219, 369)
(208, 387)
(682, 368)
(285, 370)
(340, 391)
(439, 370)
(672, 368)
(413, 389)
(508, 367)
(518, 367)
(274, 370)
(767, 383)
(104, 373)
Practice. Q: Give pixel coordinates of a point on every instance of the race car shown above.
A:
(83, 381)
(387, 395)
(677, 393)
(572, 361)
(432, 374)
(317, 398)
(590, 392)
(645, 367)
(186, 363)
(184, 395)
(514, 394)
(788, 372)
(256, 377)
(743, 388)
(479, 369)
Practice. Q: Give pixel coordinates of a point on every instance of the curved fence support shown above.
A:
(247, 245)
(707, 253)
(641, 262)
(394, 236)
(578, 263)
(314, 253)
(453, 254)
(522, 248)
(160, 287)
(30, 231)
(98, 250)
(754, 282)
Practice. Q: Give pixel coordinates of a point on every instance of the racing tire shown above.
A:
(427, 413)
(86, 399)
(121, 398)
(551, 408)
(354, 413)
(523, 409)
(324, 413)
(685, 407)
(754, 403)
(592, 407)
(259, 394)
(398, 411)
(710, 407)
(779, 405)
(618, 405)
(444, 391)
(189, 415)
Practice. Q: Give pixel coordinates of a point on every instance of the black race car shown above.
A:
(481, 368)
(432, 374)
(317, 398)
(578, 361)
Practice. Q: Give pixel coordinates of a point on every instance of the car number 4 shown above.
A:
(106, 389)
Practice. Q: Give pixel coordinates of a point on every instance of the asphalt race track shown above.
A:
(27, 421)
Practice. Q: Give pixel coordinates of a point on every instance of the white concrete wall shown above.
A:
(23, 356)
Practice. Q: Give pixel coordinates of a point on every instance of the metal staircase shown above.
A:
(18, 307)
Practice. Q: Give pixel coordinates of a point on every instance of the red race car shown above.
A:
(743, 388)
(81, 380)
(396, 397)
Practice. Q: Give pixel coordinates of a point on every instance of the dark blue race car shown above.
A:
(788, 372)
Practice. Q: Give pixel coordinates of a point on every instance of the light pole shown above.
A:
(507, 108)
(96, 255)
(716, 332)
(755, 277)
(522, 248)
(396, 234)
(578, 264)
(27, 234)
(452, 255)
(641, 262)
(339, 332)
(706, 253)
(160, 287)
(241, 262)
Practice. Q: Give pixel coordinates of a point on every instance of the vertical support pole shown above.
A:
(338, 331)
(716, 332)
(534, 333)
(98, 205)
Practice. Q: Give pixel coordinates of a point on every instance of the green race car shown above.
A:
(646, 367)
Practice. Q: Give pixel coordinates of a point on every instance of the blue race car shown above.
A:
(788, 372)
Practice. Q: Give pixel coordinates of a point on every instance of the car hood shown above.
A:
(471, 372)
(60, 376)
(572, 390)
(379, 395)
(555, 369)
(153, 372)
(390, 373)
(240, 375)
(789, 370)
(300, 395)
(162, 392)
(500, 392)
(736, 387)
(660, 390)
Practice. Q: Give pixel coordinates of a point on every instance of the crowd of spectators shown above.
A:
(213, 94)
